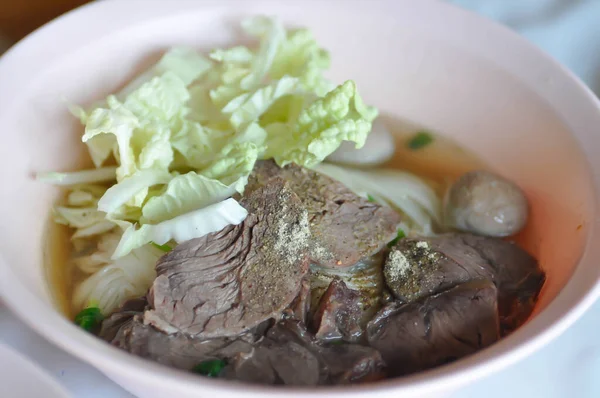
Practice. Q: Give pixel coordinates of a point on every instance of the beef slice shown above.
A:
(230, 281)
(345, 227)
(416, 268)
(437, 329)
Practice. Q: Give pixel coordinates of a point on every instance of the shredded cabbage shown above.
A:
(82, 212)
(103, 174)
(184, 137)
(183, 194)
(119, 194)
(321, 127)
(184, 227)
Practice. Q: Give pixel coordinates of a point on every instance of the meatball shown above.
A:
(378, 148)
(485, 204)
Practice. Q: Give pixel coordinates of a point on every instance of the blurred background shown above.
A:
(18, 18)
(569, 30)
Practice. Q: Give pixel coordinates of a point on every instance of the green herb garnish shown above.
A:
(420, 140)
(399, 236)
(89, 319)
(370, 198)
(210, 368)
(165, 248)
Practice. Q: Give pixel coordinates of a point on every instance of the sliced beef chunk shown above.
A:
(345, 227)
(338, 314)
(437, 329)
(177, 350)
(517, 275)
(416, 268)
(282, 357)
(364, 278)
(112, 324)
(352, 363)
(227, 282)
(290, 355)
(301, 305)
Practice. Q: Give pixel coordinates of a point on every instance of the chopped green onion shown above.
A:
(165, 248)
(399, 236)
(370, 198)
(210, 368)
(420, 140)
(89, 319)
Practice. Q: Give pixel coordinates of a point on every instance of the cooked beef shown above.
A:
(338, 314)
(364, 278)
(437, 329)
(517, 275)
(352, 363)
(227, 282)
(290, 355)
(345, 227)
(420, 267)
(301, 305)
(243, 295)
(112, 324)
(416, 268)
(281, 357)
(178, 350)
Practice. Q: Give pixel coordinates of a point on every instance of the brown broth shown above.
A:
(442, 161)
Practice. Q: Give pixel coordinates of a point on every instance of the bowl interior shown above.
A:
(411, 63)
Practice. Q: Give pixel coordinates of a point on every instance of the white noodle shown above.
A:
(115, 282)
(404, 192)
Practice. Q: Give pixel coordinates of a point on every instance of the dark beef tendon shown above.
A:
(338, 314)
(112, 324)
(437, 329)
(287, 354)
(178, 350)
(417, 268)
(242, 303)
(290, 355)
(345, 227)
(301, 305)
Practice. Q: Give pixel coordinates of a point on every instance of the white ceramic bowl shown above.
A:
(424, 61)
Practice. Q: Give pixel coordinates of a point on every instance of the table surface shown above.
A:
(567, 367)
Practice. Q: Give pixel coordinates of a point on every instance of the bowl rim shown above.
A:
(63, 333)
